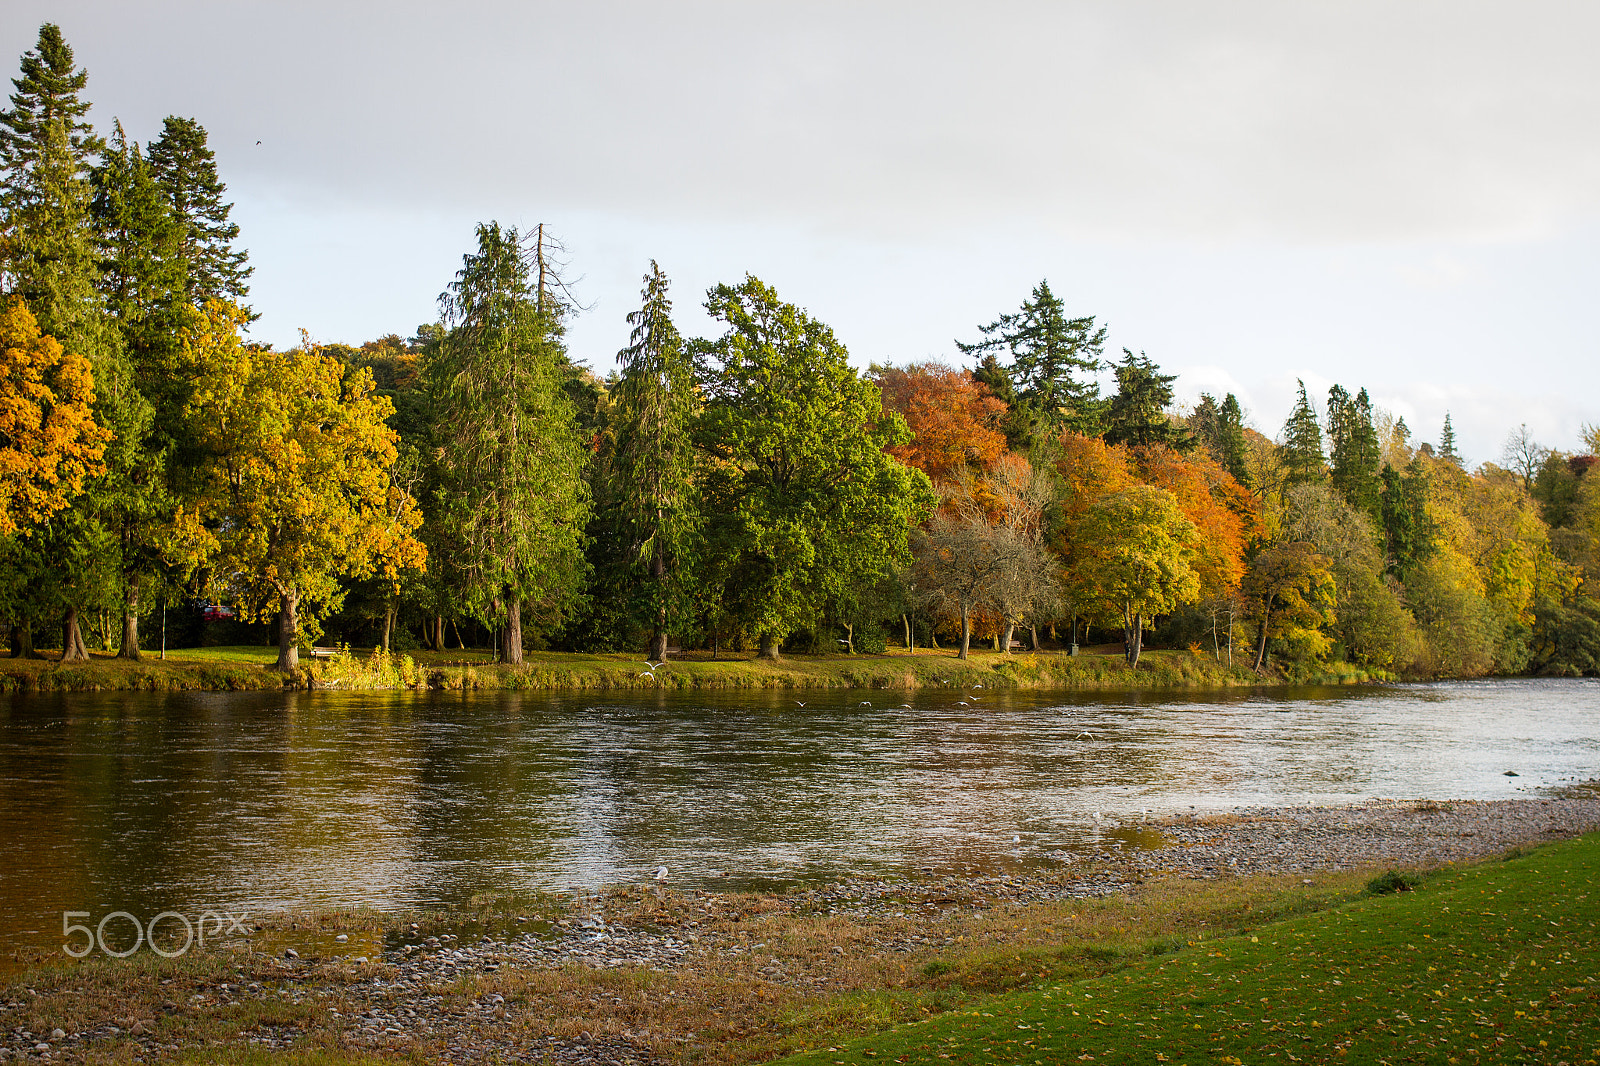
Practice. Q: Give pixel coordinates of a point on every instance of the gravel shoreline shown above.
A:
(412, 998)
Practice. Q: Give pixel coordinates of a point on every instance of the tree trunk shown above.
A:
(288, 631)
(1005, 638)
(769, 647)
(657, 652)
(22, 641)
(910, 640)
(130, 624)
(72, 649)
(461, 645)
(966, 633)
(1138, 639)
(513, 642)
(1261, 643)
(388, 624)
(850, 637)
(1230, 636)
(1033, 638)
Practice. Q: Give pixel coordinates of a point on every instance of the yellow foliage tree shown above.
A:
(49, 441)
(299, 477)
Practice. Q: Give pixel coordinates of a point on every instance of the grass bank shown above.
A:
(247, 668)
(1495, 963)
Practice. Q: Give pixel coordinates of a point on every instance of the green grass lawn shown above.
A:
(1493, 964)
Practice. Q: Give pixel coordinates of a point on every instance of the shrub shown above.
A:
(1390, 882)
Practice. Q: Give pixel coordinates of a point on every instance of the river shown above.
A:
(145, 802)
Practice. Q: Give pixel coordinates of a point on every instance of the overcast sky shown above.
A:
(1401, 196)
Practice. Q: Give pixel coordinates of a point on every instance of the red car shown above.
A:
(215, 612)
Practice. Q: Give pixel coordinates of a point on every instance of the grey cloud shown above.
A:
(1351, 121)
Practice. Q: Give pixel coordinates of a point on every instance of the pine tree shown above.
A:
(185, 169)
(1051, 356)
(1302, 443)
(651, 469)
(1447, 442)
(1354, 446)
(1137, 414)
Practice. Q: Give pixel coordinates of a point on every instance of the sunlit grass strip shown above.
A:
(1495, 963)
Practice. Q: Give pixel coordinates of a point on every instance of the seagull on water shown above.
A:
(661, 873)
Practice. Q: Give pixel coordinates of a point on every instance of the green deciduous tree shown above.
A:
(1138, 562)
(510, 461)
(805, 509)
(1290, 594)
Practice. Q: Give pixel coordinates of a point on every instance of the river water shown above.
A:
(141, 802)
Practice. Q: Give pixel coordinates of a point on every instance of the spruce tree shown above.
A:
(511, 462)
(651, 467)
(1137, 414)
(1219, 429)
(47, 92)
(1051, 358)
(1447, 442)
(1353, 443)
(141, 273)
(185, 169)
(1403, 506)
(1302, 443)
(49, 258)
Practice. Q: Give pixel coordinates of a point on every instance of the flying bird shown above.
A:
(797, 703)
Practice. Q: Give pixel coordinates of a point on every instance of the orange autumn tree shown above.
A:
(49, 441)
(955, 418)
(1220, 508)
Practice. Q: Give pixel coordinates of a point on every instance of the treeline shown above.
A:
(475, 484)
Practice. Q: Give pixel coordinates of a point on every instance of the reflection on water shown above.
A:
(146, 802)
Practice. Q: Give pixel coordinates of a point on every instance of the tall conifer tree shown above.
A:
(510, 458)
(1302, 443)
(1051, 358)
(1137, 414)
(1447, 442)
(1353, 444)
(185, 169)
(653, 462)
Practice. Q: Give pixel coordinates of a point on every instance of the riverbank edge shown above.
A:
(551, 671)
(646, 973)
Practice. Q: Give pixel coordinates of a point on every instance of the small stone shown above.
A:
(290, 953)
(58, 1034)
(139, 1029)
(342, 937)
